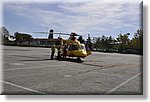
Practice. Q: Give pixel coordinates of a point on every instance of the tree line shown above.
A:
(121, 44)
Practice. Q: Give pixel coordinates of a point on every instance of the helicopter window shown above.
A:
(73, 47)
(83, 47)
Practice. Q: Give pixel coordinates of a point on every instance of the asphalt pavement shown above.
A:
(29, 70)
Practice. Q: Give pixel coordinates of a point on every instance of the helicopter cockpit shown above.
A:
(73, 47)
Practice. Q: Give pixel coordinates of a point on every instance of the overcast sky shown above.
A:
(95, 17)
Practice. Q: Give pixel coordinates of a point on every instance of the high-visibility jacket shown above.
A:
(53, 49)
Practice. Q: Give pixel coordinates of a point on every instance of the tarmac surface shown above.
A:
(28, 70)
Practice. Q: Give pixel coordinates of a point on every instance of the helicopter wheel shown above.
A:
(79, 59)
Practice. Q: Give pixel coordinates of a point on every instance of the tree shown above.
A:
(102, 43)
(124, 41)
(110, 40)
(137, 41)
(97, 42)
(89, 43)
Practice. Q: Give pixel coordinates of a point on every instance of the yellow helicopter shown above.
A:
(70, 47)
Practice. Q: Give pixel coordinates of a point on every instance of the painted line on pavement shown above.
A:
(115, 88)
(25, 88)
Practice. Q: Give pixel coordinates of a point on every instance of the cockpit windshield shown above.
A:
(76, 47)
(82, 47)
(73, 47)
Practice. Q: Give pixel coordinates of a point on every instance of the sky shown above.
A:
(94, 17)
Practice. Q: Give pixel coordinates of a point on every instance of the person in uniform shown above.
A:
(65, 51)
(58, 52)
(52, 52)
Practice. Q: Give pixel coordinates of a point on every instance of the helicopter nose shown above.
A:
(83, 54)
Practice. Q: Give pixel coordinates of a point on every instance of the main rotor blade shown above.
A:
(57, 33)
(41, 32)
(67, 34)
(62, 33)
(53, 33)
(78, 35)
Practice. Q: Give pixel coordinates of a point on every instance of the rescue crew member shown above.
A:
(59, 53)
(65, 51)
(52, 52)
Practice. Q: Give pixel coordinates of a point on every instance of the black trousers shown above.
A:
(59, 54)
(52, 55)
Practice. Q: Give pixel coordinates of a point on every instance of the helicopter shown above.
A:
(70, 47)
